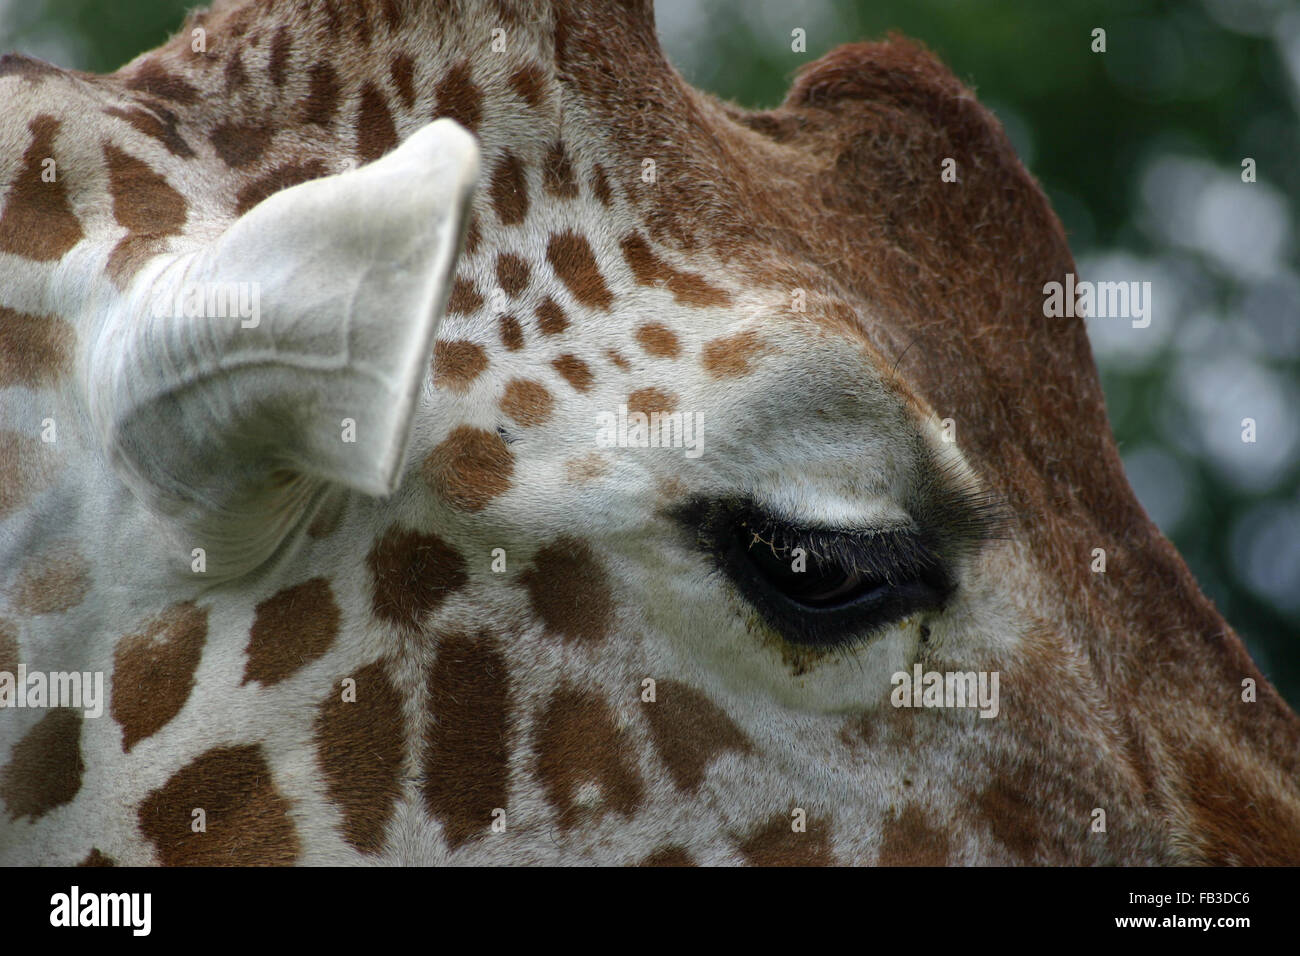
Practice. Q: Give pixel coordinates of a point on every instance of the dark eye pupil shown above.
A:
(819, 586)
(804, 577)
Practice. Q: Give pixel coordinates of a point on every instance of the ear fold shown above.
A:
(233, 385)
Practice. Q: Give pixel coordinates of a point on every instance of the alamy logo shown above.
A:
(213, 300)
(624, 429)
(1101, 300)
(946, 689)
(103, 909)
(84, 690)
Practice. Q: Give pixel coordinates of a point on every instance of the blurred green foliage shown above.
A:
(1205, 82)
(93, 35)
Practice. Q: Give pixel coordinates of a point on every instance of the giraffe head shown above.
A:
(593, 511)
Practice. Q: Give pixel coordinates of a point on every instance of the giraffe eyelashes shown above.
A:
(820, 587)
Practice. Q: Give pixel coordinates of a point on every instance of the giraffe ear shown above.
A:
(235, 384)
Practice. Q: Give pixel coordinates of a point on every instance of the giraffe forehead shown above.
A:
(561, 295)
(522, 350)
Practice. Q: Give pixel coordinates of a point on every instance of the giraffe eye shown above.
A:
(813, 580)
(823, 587)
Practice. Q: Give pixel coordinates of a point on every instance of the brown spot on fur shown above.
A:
(392, 16)
(459, 98)
(512, 333)
(512, 273)
(234, 74)
(472, 234)
(376, 131)
(457, 364)
(153, 78)
(668, 856)
(617, 359)
(562, 37)
(26, 464)
(570, 591)
(551, 319)
(413, 574)
(732, 355)
(35, 350)
(163, 129)
(46, 768)
(689, 731)
(464, 298)
(38, 222)
(467, 742)
(529, 83)
(470, 468)
(776, 844)
(600, 185)
(146, 205)
(334, 21)
(143, 202)
(360, 17)
(649, 400)
(585, 469)
(1012, 806)
(507, 12)
(29, 68)
(53, 581)
(239, 144)
(277, 64)
(527, 402)
(579, 745)
(402, 72)
(557, 173)
(322, 100)
(8, 647)
(241, 19)
(574, 263)
(96, 858)
(248, 821)
(907, 839)
(574, 370)
(153, 671)
(658, 340)
(688, 288)
(508, 190)
(279, 178)
(292, 628)
(360, 748)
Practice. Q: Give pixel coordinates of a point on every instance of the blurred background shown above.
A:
(1140, 149)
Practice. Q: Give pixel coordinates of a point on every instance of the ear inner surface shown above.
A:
(234, 382)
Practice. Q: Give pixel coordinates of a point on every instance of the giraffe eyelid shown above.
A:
(894, 572)
(851, 548)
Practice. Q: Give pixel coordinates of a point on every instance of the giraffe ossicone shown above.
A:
(234, 426)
